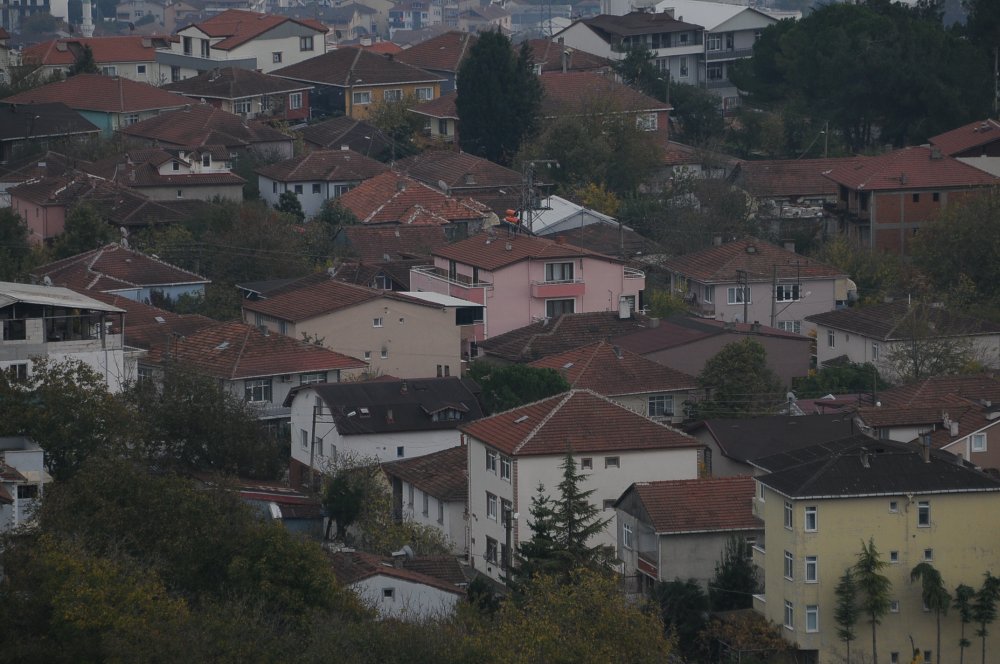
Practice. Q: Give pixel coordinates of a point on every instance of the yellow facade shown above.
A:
(961, 541)
(359, 109)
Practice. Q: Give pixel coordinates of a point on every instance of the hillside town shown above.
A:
(407, 331)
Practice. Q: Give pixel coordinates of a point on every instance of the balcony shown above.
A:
(730, 54)
(549, 289)
(718, 84)
(460, 280)
(632, 273)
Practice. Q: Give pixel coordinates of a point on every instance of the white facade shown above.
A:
(311, 194)
(29, 460)
(559, 214)
(448, 517)
(401, 599)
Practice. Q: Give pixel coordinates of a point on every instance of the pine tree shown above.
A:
(537, 555)
(873, 587)
(577, 521)
(846, 612)
(735, 580)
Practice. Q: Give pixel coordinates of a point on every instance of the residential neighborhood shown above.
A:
(393, 331)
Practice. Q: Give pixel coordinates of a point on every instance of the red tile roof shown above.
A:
(973, 135)
(444, 52)
(932, 391)
(233, 83)
(126, 269)
(897, 416)
(197, 125)
(792, 177)
(344, 67)
(94, 92)
(489, 251)
(352, 566)
(578, 420)
(147, 326)
(458, 170)
(371, 244)
(681, 330)
(719, 264)
(549, 54)
(611, 371)
(384, 47)
(909, 168)
(696, 506)
(578, 91)
(338, 132)
(324, 165)
(443, 107)
(237, 350)
(892, 321)
(559, 335)
(440, 474)
(106, 50)
(238, 26)
(391, 198)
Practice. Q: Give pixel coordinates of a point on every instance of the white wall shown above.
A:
(452, 525)
(410, 601)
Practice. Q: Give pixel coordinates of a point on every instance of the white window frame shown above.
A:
(395, 94)
(787, 293)
(893, 507)
(789, 616)
(243, 106)
(276, 57)
(424, 94)
(306, 43)
(140, 70)
(812, 618)
(788, 515)
(312, 378)
(977, 442)
(894, 606)
(550, 314)
(894, 557)
(626, 536)
(505, 467)
(612, 462)
(709, 295)
(587, 463)
(924, 514)
(789, 566)
(831, 339)
(362, 98)
(109, 70)
(811, 569)
(713, 42)
(491, 506)
(377, 322)
(793, 326)
(715, 71)
(492, 456)
(874, 352)
(735, 294)
(253, 385)
(660, 405)
(810, 521)
(295, 101)
(646, 122)
(556, 273)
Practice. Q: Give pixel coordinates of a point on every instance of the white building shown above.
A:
(22, 480)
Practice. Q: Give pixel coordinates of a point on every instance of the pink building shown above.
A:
(520, 279)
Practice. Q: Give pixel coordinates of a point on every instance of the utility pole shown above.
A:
(742, 279)
(528, 189)
(508, 527)
(312, 450)
(774, 292)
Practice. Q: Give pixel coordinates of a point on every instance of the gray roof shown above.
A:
(749, 438)
(38, 121)
(54, 296)
(895, 320)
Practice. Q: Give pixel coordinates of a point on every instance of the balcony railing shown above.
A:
(454, 279)
(632, 273)
(570, 288)
(730, 54)
(720, 83)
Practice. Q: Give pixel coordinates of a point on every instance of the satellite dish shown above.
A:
(47, 280)
(443, 186)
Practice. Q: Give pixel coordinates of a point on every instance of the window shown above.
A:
(587, 463)
(424, 94)
(794, 326)
(427, 503)
(714, 71)
(789, 615)
(812, 569)
(646, 122)
(274, 187)
(505, 467)
(187, 46)
(916, 198)
(894, 557)
(443, 127)
(626, 536)
(559, 272)
(258, 390)
(936, 197)
(927, 656)
(384, 354)
(306, 43)
(715, 42)
(19, 372)
(295, 101)
(317, 188)
(893, 507)
(612, 462)
(506, 511)
(109, 70)
(894, 606)
(392, 95)
(736, 294)
(684, 60)
(812, 618)
(709, 294)
(608, 504)
(175, 74)
(894, 658)
(361, 97)
(491, 550)
(491, 506)
(874, 351)
(180, 193)
(491, 461)
(409, 496)
(788, 515)
(555, 308)
(923, 514)
(661, 405)
(298, 189)
(368, 356)
(206, 48)
(440, 511)
(377, 322)
(311, 378)
(388, 593)
(276, 57)
(140, 70)
(789, 566)
(504, 556)
(928, 555)
(400, 453)
(760, 491)
(131, 119)
(786, 292)
(27, 491)
(831, 339)
(206, 160)
(979, 442)
(812, 521)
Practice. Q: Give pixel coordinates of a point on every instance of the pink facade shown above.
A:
(44, 221)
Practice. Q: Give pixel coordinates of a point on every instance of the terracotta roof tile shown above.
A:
(371, 244)
(937, 389)
(491, 253)
(703, 505)
(896, 416)
(233, 83)
(238, 26)
(439, 474)
(355, 134)
(577, 92)
(147, 326)
(890, 321)
(458, 170)
(197, 125)
(757, 257)
(391, 198)
(681, 330)
(94, 92)
(324, 165)
(549, 54)
(128, 268)
(610, 239)
(444, 52)
(909, 168)
(443, 107)
(559, 335)
(106, 50)
(611, 371)
(352, 566)
(973, 135)
(344, 66)
(792, 177)
(579, 420)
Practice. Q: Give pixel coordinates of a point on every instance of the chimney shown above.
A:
(345, 148)
(935, 153)
(716, 240)
(403, 388)
(618, 352)
(654, 322)
(400, 185)
(953, 429)
(565, 61)
(61, 46)
(925, 447)
(790, 245)
(560, 239)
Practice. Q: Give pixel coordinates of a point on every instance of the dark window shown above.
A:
(916, 198)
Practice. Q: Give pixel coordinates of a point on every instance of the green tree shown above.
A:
(537, 556)
(964, 597)
(740, 381)
(934, 595)
(698, 113)
(290, 204)
(876, 274)
(846, 612)
(735, 580)
(684, 607)
(499, 98)
(507, 387)
(637, 69)
(984, 608)
(839, 379)
(84, 63)
(348, 485)
(873, 589)
(931, 345)
(85, 229)
(15, 251)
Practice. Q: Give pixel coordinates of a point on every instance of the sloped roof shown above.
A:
(352, 566)
(440, 474)
(890, 321)
(611, 371)
(36, 166)
(492, 253)
(582, 92)
(935, 390)
(197, 125)
(238, 26)
(345, 130)
(397, 406)
(94, 92)
(12, 293)
(236, 350)
(792, 177)
(743, 439)
(233, 83)
(364, 274)
(147, 326)
(324, 165)
(444, 52)
(126, 268)
(578, 420)
(41, 121)
(680, 330)
(890, 416)
(708, 14)
(128, 48)
(392, 198)
(636, 23)
(909, 168)
(348, 66)
(973, 135)
(443, 107)
(719, 264)
(861, 466)
(458, 170)
(610, 239)
(970, 420)
(560, 334)
(372, 243)
(709, 504)
(549, 54)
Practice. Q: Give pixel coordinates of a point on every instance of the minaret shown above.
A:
(87, 24)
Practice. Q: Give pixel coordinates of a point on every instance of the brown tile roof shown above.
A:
(238, 26)
(610, 240)
(934, 390)
(140, 168)
(559, 335)
(324, 165)
(344, 67)
(680, 154)
(197, 125)
(352, 566)
(792, 177)
(124, 267)
(681, 330)
(440, 474)
(890, 416)
(612, 371)
(106, 50)
(94, 92)
(548, 53)
(579, 420)
(973, 135)
(909, 168)
(443, 107)
(237, 350)
(970, 420)
(35, 166)
(364, 274)
(697, 506)
(335, 133)
(391, 198)
(372, 243)
(233, 83)
(719, 264)
(444, 52)
(578, 92)
(458, 170)
(490, 251)
(147, 326)
(889, 321)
